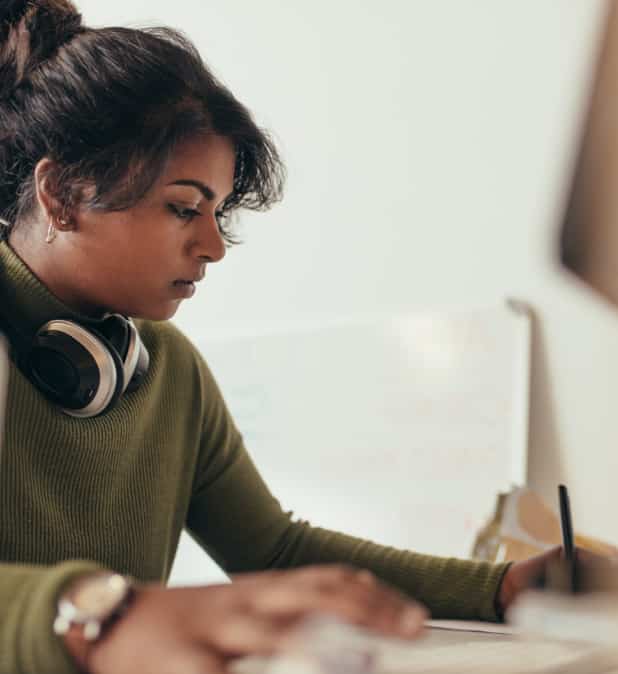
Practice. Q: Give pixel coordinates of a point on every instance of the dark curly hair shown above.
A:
(108, 106)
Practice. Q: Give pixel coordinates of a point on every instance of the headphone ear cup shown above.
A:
(75, 368)
(121, 332)
(116, 331)
(137, 360)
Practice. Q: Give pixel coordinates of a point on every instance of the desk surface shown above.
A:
(444, 651)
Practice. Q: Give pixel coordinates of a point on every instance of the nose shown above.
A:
(209, 244)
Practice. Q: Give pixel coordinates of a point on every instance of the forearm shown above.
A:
(449, 587)
(239, 522)
(28, 597)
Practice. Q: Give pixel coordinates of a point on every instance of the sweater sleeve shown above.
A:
(236, 519)
(28, 597)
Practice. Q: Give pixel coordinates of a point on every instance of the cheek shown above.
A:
(138, 249)
(149, 256)
(156, 244)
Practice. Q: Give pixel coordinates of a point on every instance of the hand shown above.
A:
(198, 630)
(549, 570)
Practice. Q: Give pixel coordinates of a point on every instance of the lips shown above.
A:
(183, 288)
(190, 279)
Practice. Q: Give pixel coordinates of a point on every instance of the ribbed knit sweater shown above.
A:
(115, 492)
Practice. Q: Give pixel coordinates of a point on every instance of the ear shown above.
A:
(48, 195)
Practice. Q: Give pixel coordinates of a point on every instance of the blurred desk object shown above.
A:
(524, 525)
(441, 651)
(589, 237)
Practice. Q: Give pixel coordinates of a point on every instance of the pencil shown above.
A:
(568, 543)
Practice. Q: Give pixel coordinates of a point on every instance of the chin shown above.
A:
(152, 310)
(158, 313)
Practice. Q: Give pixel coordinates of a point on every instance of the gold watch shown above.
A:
(89, 605)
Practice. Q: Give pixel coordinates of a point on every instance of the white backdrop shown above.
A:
(428, 145)
(400, 430)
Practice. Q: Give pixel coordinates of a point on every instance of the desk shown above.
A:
(446, 651)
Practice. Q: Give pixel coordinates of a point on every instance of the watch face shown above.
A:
(98, 595)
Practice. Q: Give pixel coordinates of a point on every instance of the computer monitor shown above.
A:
(588, 243)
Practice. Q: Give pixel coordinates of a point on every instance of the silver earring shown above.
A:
(51, 232)
(5, 227)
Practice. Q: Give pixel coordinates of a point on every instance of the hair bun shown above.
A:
(12, 10)
(31, 31)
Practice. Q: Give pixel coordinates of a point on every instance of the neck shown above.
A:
(39, 257)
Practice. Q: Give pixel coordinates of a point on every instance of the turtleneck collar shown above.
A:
(25, 302)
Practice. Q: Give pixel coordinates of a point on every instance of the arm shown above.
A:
(28, 597)
(236, 519)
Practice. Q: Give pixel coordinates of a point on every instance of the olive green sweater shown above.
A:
(115, 492)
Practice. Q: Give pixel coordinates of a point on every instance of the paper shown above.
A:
(333, 648)
(474, 657)
(538, 657)
(471, 626)
(591, 617)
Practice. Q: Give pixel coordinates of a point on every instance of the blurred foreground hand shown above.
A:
(201, 630)
(551, 571)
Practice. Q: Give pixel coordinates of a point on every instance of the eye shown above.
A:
(184, 214)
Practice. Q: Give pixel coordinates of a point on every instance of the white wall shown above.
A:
(427, 144)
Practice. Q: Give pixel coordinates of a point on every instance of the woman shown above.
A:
(122, 159)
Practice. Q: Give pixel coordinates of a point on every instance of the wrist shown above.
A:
(88, 609)
(78, 648)
(505, 594)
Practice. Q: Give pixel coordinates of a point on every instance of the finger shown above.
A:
(371, 605)
(351, 594)
(317, 575)
(253, 578)
(584, 556)
(328, 575)
(312, 593)
(245, 634)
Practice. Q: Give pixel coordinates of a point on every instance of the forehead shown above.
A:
(210, 159)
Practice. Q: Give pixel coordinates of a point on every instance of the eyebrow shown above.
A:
(204, 189)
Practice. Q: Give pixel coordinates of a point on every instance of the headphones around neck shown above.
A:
(83, 370)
